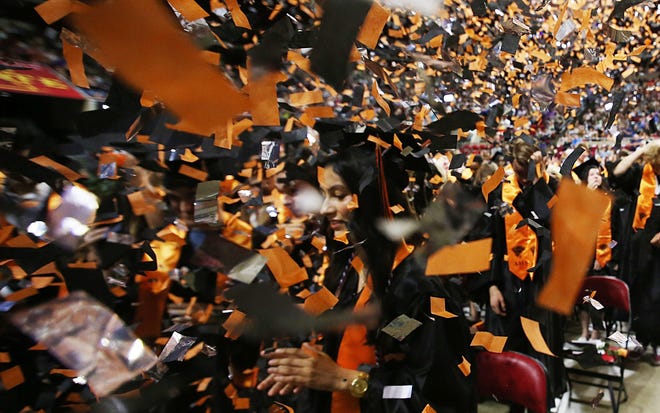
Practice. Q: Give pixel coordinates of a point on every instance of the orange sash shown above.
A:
(521, 243)
(645, 198)
(353, 350)
(603, 248)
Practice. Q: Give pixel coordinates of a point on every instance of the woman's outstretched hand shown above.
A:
(292, 369)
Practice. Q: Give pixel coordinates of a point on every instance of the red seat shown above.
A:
(513, 377)
(612, 293)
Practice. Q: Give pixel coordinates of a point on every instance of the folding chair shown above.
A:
(513, 377)
(612, 293)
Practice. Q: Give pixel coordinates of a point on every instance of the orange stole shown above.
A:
(645, 199)
(521, 243)
(353, 350)
(603, 248)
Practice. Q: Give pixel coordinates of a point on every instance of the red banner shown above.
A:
(36, 79)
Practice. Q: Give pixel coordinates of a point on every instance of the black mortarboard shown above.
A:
(296, 135)
(273, 45)
(533, 201)
(123, 107)
(510, 42)
(617, 100)
(460, 119)
(582, 170)
(332, 48)
(570, 160)
(89, 280)
(620, 8)
(457, 161)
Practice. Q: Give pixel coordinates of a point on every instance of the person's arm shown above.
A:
(625, 163)
(291, 369)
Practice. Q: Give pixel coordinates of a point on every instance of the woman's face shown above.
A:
(594, 179)
(336, 200)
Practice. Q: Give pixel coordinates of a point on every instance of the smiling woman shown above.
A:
(402, 360)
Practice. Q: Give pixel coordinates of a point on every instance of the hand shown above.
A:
(537, 157)
(655, 241)
(649, 146)
(497, 302)
(291, 369)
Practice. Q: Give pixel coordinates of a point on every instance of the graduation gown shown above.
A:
(520, 294)
(427, 359)
(643, 262)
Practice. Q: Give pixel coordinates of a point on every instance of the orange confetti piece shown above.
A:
(397, 209)
(533, 332)
(428, 409)
(492, 343)
(240, 20)
(189, 156)
(234, 324)
(41, 282)
(68, 173)
(139, 204)
(284, 268)
(379, 98)
(74, 61)
(320, 112)
(263, 98)
(193, 173)
(582, 76)
(378, 141)
(492, 182)
(306, 98)
(465, 367)
(463, 258)
(11, 378)
(320, 302)
(53, 10)
(576, 218)
(189, 9)
(438, 308)
(568, 99)
(372, 26)
(148, 50)
(22, 294)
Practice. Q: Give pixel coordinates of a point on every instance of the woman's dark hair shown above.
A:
(357, 166)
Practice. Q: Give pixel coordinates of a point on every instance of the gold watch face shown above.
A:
(359, 386)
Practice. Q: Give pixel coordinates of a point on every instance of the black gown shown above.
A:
(643, 264)
(427, 358)
(520, 295)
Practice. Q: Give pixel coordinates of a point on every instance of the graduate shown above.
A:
(521, 262)
(640, 181)
(376, 368)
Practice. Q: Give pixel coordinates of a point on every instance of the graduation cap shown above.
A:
(332, 48)
(570, 160)
(89, 280)
(460, 119)
(273, 44)
(617, 100)
(510, 42)
(582, 170)
(457, 160)
(533, 202)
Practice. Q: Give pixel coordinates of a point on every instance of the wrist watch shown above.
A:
(359, 385)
